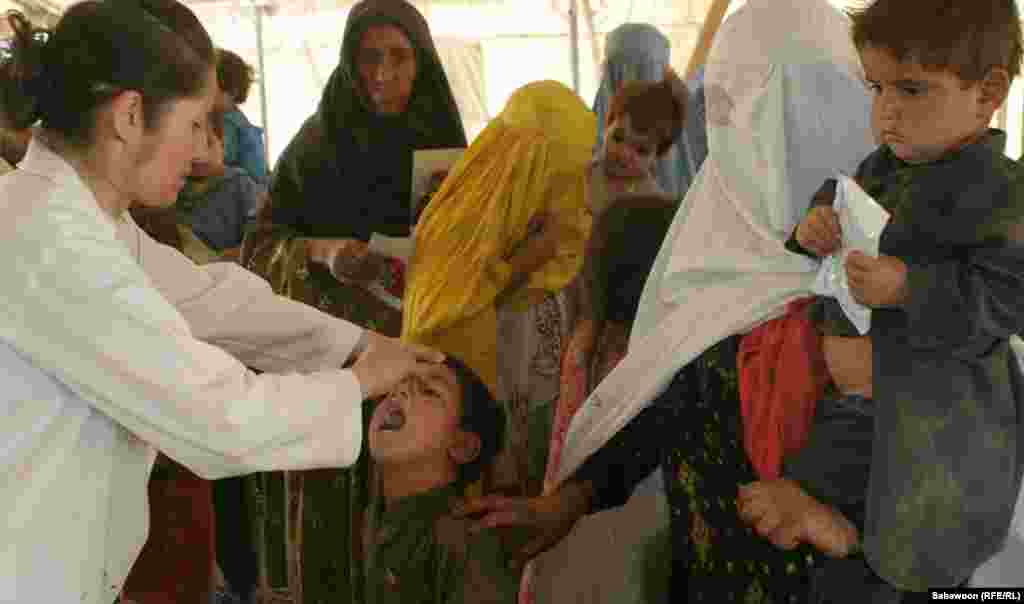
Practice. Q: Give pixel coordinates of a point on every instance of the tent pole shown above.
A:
(263, 81)
(574, 45)
(716, 12)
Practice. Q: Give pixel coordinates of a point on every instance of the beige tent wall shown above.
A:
(489, 49)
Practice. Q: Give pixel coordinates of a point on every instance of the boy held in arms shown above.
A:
(919, 446)
(428, 439)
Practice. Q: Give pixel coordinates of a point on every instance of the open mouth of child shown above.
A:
(393, 419)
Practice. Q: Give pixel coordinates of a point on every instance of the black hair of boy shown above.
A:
(234, 75)
(480, 414)
(654, 109)
(966, 38)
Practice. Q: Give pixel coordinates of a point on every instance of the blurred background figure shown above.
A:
(15, 117)
(243, 142)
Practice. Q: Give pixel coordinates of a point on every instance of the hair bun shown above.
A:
(23, 72)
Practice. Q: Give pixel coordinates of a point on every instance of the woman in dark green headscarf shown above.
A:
(346, 175)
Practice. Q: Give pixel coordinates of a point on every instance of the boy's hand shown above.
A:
(819, 232)
(877, 282)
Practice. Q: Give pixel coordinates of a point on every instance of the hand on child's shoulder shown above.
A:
(486, 576)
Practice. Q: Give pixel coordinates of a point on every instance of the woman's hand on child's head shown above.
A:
(819, 232)
(876, 282)
(384, 362)
(546, 519)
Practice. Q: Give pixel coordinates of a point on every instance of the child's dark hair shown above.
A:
(481, 415)
(966, 38)
(97, 50)
(655, 109)
(234, 75)
(216, 119)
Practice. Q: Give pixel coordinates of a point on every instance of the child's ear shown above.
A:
(994, 88)
(466, 447)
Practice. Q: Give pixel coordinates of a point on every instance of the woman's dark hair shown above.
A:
(99, 49)
(234, 75)
(481, 415)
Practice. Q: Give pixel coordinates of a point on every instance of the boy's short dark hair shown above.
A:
(216, 118)
(234, 75)
(968, 38)
(481, 415)
(654, 109)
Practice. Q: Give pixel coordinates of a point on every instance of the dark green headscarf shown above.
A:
(348, 171)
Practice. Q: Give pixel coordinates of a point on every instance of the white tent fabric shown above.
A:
(489, 49)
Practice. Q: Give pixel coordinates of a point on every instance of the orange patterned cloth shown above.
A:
(574, 389)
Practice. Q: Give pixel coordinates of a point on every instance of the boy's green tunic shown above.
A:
(949, 395)
(414, 552)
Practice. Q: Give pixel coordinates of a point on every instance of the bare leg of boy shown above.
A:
(786, 515)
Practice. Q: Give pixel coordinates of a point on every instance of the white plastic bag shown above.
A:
(861, 220)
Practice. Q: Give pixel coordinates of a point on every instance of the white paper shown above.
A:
(392, 247)
(861, 221)
(426, 162)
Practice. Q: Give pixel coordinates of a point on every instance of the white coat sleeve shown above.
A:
(234, 309)
(79, 306)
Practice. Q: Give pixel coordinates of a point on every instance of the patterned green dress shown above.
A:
(693, 430)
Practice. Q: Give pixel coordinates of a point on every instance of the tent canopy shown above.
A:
(489, 48)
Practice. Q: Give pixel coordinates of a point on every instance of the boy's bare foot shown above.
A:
(783, 513)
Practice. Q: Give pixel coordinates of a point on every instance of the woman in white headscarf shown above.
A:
(786, 109)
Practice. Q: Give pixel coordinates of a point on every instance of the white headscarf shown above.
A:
(786, 109)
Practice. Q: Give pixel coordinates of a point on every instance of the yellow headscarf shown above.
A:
(530, 159)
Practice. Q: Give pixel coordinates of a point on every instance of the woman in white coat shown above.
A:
(113, 346)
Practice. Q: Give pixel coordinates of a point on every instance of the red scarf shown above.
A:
(782, 375)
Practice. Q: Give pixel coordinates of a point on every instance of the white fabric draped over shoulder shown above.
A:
(786, 109)
(103, 362)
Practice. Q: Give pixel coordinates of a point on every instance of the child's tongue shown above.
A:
(393, 419)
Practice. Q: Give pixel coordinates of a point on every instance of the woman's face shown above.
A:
(387, 68)
(167, 151)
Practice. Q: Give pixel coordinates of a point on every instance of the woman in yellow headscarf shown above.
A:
(499, 240)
